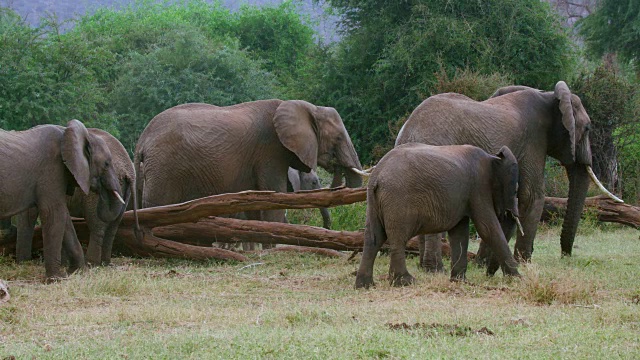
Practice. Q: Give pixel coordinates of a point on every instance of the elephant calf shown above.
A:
(423, 189)
(102, 215)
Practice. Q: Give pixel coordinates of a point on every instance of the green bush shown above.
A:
(184, 67)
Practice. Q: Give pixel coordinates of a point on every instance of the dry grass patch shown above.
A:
(565, 288)
(293, 306)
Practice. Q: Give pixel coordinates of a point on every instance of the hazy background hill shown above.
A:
(34, 10)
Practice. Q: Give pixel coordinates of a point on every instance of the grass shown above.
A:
(296, 306)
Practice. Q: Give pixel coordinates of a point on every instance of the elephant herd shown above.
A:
(455, 160)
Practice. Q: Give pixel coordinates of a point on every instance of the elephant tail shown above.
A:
(374, 234)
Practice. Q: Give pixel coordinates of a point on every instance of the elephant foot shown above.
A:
(492, 268)
(23, 258)
(523, 257)
(74, 268)
(439, 268)
(458, 278)
(403, 280)
(52, 279)
(507, 271)
(364, 282)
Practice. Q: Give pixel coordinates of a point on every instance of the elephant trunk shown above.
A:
(110, 202)
(352, 179)
(578, 185)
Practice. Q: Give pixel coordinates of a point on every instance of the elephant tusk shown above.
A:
(119, 197)
(519, 225)
(361, 173)
(601, 187)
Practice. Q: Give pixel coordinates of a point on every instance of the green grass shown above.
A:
(296, 306)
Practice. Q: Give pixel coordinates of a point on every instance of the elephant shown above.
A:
(102, 217)
(424, 189)
(308, 181)
(533, 124)
(195, 150)
(40, 167)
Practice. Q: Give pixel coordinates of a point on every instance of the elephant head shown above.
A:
(88, 158)
(505, 184)
(576, 159)
(308, 181)
(317, 136)
(568, 142)
(505, 190)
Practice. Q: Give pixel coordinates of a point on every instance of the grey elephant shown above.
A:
(533, 124)
(423, 189)
(195, 150)
(40, 167)
(300, 180)
(102, 216)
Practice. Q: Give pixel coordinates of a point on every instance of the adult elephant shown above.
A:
(101, 214)
(300, 180)
(533, 124)
(196, 150)
(40, 167)
(423, 189)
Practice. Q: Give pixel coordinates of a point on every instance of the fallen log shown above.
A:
(606, 209)
(226, 230)
(305, 250)
(225, 204)
(149, 245)
(187, 230)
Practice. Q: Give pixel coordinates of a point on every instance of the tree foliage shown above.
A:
(391, 52)
(613, 27)
(613, 104)
(45, 77)
(116, 69)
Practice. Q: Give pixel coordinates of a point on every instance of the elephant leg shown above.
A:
(530, 218)
(484, 255)
(72, 247)
(107, 243)
(364, 276)
(398, 273)
(459, 241)
(26, 222)
(272, 216)
(326, 218)
(431, 252)
(491, 232)
(54, 222)
(96, 242)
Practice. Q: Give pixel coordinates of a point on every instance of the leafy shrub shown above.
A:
(184, 67)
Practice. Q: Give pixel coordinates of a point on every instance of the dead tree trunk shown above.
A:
(187, 230)
(606, 209)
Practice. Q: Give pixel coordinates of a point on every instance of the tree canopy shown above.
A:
(613, 27)
(391, 53)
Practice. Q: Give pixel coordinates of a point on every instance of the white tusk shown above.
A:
(519, 225)
(119, 197)
(360, 172)
(601, 187)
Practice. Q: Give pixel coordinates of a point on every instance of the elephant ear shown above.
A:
(295, 125)
(563, 94)
(75, 151)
